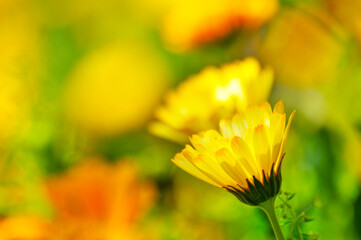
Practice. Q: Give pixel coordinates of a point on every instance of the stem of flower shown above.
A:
(269, 208)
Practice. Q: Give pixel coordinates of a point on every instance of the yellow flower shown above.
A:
(245, 159)
(203, 99)
(24, 228)
(108, 95)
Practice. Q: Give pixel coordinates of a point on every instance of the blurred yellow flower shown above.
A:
(115, 89)
(302, 47)
(245, 159)
(190, 23)
(203, 99)
(23, 228)
(96, 200)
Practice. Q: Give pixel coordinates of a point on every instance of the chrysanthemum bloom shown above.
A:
(192, 23)
(245, 158)
(215, 93)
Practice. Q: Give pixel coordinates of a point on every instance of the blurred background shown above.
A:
(80, 81)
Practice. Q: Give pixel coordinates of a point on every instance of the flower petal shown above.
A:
(262, 148)
(190, 168)
(283, 145)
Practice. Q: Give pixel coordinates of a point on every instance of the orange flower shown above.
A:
(99, 201)
(190, 23)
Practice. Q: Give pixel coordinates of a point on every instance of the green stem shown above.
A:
(269, 208)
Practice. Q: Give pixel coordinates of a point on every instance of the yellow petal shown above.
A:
(262, 147)
(245, 156)
(190, 168)
(225, 126)
(212, 140)
(211, 168)
(254, 116)
(277, 127)
(279, 107)
(239, 125)
(266, 107)
(283, 145)
(195, 139)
